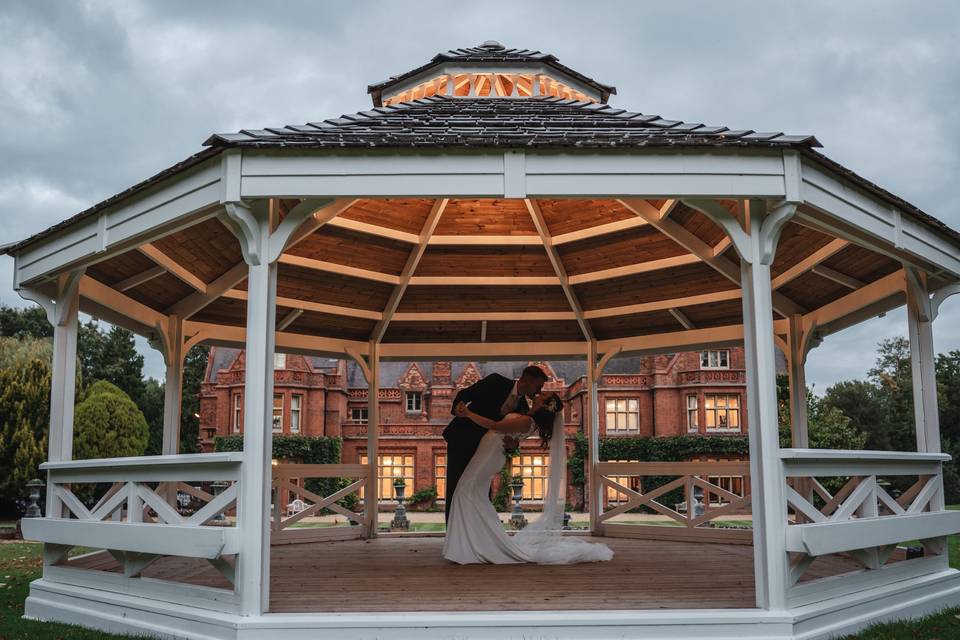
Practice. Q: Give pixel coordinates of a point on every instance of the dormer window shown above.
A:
(715, 359)
(490, 70)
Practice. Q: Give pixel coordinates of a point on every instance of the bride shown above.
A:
(474, 532)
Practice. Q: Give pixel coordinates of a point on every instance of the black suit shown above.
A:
(463, 435)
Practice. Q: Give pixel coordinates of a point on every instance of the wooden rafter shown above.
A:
(599, 230)
(138, 279)
(289, 319)
(195, 302)
(680, 317)
(840, 278)
(308, 305)
(409, 268)
(676, 232)
(173, 267)
(537, 216)
(807, 264)
(633, 269)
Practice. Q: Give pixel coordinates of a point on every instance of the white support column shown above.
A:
(592, 424)
(61, 310)
(798, 383)
(372, 493)
(756, 249)
(922, 360)
(253, 227)
(173, 355)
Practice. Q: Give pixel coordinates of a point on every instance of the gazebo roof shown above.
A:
(543, 122)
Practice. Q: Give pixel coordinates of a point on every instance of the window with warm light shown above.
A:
(237, 413)
(623, 415)
(296, 402)
(414, 402)
(715, 359)
(633, 483)
(733, 484)
(277, 412)
(440, 474)
(722, 412)
(391, 466)
(535, 470)
(693, 414)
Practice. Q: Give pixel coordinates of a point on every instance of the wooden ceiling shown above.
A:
(492, 270)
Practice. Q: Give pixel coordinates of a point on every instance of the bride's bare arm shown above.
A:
(512, 424)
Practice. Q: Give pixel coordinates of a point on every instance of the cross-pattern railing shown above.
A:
(293, 502)
(839, 503)
(137, 520)
(703, 502)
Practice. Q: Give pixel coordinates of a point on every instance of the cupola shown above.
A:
(490, 70)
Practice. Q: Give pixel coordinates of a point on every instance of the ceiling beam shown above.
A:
(633, 269)
(680, 317)
(599, 230)
(820, 255)
(723, 265)
(433, 218)
(665, 305)
(481, 281)
(110, 298)
(373, 230)
(537, 216)
(138, 279)
(308, 305)
(195, 302)
(289, 319)
(341, 269)
(481, 240)
(840, 278)
(173, 267)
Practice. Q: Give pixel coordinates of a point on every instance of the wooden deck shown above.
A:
(408, 574)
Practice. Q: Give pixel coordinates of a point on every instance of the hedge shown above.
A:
(302, 450)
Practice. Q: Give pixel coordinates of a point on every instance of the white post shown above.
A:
(253, 226)
(173, 386)
(372, 492)
(62, 310)
(592, 424)
(798, 383)
(922, 361)
(756, 250)
(920, 315)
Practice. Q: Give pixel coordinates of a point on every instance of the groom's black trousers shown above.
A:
(463, 437)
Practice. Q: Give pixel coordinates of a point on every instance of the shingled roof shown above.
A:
(441, 121)
(492, 52)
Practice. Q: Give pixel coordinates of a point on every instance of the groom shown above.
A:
(493, 397)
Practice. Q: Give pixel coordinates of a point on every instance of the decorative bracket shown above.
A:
(361, 362)
(602, 363)
(58, 309)
(770, 226)
(240, 219)
(940, 296)
(292, 222)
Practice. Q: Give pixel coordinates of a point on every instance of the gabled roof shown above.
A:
(495, 53)
(441, 121)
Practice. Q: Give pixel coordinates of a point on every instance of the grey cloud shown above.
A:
(99, 95)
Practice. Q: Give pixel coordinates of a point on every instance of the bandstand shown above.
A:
(491, 204)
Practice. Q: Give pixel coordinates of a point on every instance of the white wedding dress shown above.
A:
(475, 534)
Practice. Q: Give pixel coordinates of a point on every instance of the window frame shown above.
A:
(385, 482)
(364, 411)
(237, 412)
(411, 395)
(706, 358)
(532, 482)
(693, 413)
(296, 412)
(612, 427)
(276, 426)
(727, 409)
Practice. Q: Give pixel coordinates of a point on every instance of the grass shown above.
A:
(20, 563)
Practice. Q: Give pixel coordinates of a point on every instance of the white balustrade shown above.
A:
(290, 494)
(838, 503)
(717, 502)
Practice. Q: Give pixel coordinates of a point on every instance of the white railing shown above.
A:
(137, 519)
(696, 517)
(859, 518)
(292, 502)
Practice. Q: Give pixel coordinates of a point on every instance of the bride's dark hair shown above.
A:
(543, 418)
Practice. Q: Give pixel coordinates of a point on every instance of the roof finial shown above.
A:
(492, 44)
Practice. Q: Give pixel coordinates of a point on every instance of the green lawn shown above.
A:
(20, 563)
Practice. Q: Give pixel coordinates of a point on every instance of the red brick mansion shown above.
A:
(685, 393)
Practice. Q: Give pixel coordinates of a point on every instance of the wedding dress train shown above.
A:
(475, 534)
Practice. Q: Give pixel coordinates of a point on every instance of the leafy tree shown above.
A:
(112, 356)
(948, 394)
(24, 415)
(860, 401)
(892, 377)
(827, 426)
(108, 424)
(28, 322)
(152, 407)
(194, 367)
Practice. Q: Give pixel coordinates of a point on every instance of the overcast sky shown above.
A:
(95, 96)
